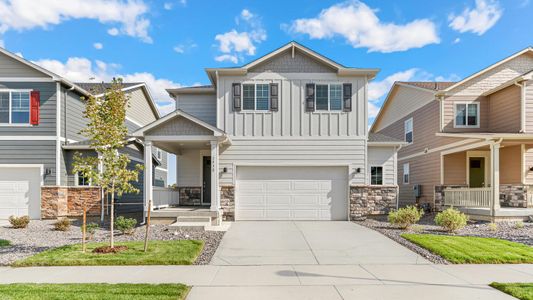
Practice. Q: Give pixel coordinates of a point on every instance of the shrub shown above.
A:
(493, 226)
(19, 222)
(451, 219)
(125, 225)
(417, 228)
(90, 229)
(406, 216)
(519, 225)
(62, 224)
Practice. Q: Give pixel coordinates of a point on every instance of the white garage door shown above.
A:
(291, 193)
(20, 192)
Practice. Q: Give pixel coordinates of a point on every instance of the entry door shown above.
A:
(477, 172)
(206, 186)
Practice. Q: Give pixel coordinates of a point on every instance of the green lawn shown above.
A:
(4, 243)
(93, 291)
(522, 291)
(178, 252)
(473, 250)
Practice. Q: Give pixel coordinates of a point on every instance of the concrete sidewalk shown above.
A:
(298, 281)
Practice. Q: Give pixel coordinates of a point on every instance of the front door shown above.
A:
(206, 187)
(477, 172)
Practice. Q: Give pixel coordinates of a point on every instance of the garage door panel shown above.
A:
(20, 192)
(291, 193)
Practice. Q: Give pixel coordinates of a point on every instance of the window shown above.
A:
(14, 107)
(159, 154)
(408, 129)
(328, 97)
(255, 96)
(467, 115)
(376, 175)
(406, 173)
(82, 180)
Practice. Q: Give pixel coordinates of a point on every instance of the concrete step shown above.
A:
(193, 226)
(192, 219)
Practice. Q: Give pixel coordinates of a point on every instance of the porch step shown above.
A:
(193, 226)
(193, 219)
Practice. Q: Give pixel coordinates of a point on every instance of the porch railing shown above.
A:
(468, 197)
(165, 197)
(529, 198)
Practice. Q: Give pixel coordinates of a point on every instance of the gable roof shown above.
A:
(341, 69)
(526, 50)
(430, 85)
(379, 138)
(196, 89)
(178, 113)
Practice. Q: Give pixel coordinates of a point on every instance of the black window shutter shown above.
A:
(274, 97)
(347, 96)
(236, 96)
(310, 97)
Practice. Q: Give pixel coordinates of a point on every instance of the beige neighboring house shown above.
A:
(470, 143)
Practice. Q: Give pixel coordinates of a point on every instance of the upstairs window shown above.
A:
(255, 96)
(406, 173)
(376, 175)
(328, 97)
(408, 129)
(466, 115)
(14, 107)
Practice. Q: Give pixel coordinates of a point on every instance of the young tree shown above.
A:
(107, 132)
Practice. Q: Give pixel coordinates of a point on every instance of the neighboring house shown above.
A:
(470, 143)
(284, 137)
(41, 116)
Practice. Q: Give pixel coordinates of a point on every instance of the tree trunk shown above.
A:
(112, 218)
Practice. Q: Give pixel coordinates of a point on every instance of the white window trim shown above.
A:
(329, 100)
(10, 124)
(255, 98)
(382, 177)
(408, 173)
(76, 180)
(412, 131)
(478, 121)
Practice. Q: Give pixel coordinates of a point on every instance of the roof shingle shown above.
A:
(430, 85)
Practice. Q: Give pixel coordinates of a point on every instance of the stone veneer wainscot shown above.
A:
(227, 202)
(372, 200)
(68, 201)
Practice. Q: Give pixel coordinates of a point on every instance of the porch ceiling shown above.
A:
(177, 146)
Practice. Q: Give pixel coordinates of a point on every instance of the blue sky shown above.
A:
(169, 43)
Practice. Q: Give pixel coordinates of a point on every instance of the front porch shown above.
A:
(489, 180)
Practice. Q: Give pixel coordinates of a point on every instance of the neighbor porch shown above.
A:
(491, 179)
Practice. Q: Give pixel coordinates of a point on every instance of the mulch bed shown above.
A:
(109, 249)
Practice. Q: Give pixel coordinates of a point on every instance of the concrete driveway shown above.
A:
(308, 243)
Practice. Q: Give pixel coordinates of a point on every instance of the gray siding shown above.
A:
(73, 121)
(30, 152)
(202, 106)
(47, 124)
(139, 109)
(286, 63)
(10, 67)
(179, 126)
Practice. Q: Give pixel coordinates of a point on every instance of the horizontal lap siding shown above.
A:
(296, 152)
(504, 110)
(455, 169)
(510, 169)
(528, 163)
(47, 120)
(75, 121)
(424, 170)
(202, 106)
(139, 110)
(30, 152)
(384, 157)
(10, 67)
(449, 109)
(529, 107)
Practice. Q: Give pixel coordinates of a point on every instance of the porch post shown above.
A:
(215, 198)
(495, 162)
(148, 191)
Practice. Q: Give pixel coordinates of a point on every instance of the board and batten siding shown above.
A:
(10, 67)
(504, 110)
(202, 106)
(406, 100)
(291, 120)
(383, 157)
(529, 106)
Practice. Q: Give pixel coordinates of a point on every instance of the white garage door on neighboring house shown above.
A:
(291, 193)
(20, 191)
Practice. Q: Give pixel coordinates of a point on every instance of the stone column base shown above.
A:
(371, 200)
(227, 202)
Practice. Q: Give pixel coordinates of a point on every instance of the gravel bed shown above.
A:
(505, 231)
(40, 236)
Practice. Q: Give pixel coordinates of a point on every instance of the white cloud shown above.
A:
(185, 47)
(19, 54)
(233, 44)
(83, 69)
(98, 46)
(113, 31)
(377, 89)
(373, 110)
(168, 6)
(360, 26)
(183, 2)
(2, 44)
(457, 40)
(478, 19)
(28, 14)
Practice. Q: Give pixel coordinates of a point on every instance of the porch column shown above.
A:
(495, 163)
(148, 191)
(215, 197)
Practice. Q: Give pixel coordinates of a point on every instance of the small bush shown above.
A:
(417, 228)
(62, 224)
(451, 219)
(90, 229)
(19, 222)
(493, 227)
(406, 216)
(125, 225)
(519, 225)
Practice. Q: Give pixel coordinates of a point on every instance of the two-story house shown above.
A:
(284, 137)
(470, 143)
(41, 116)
